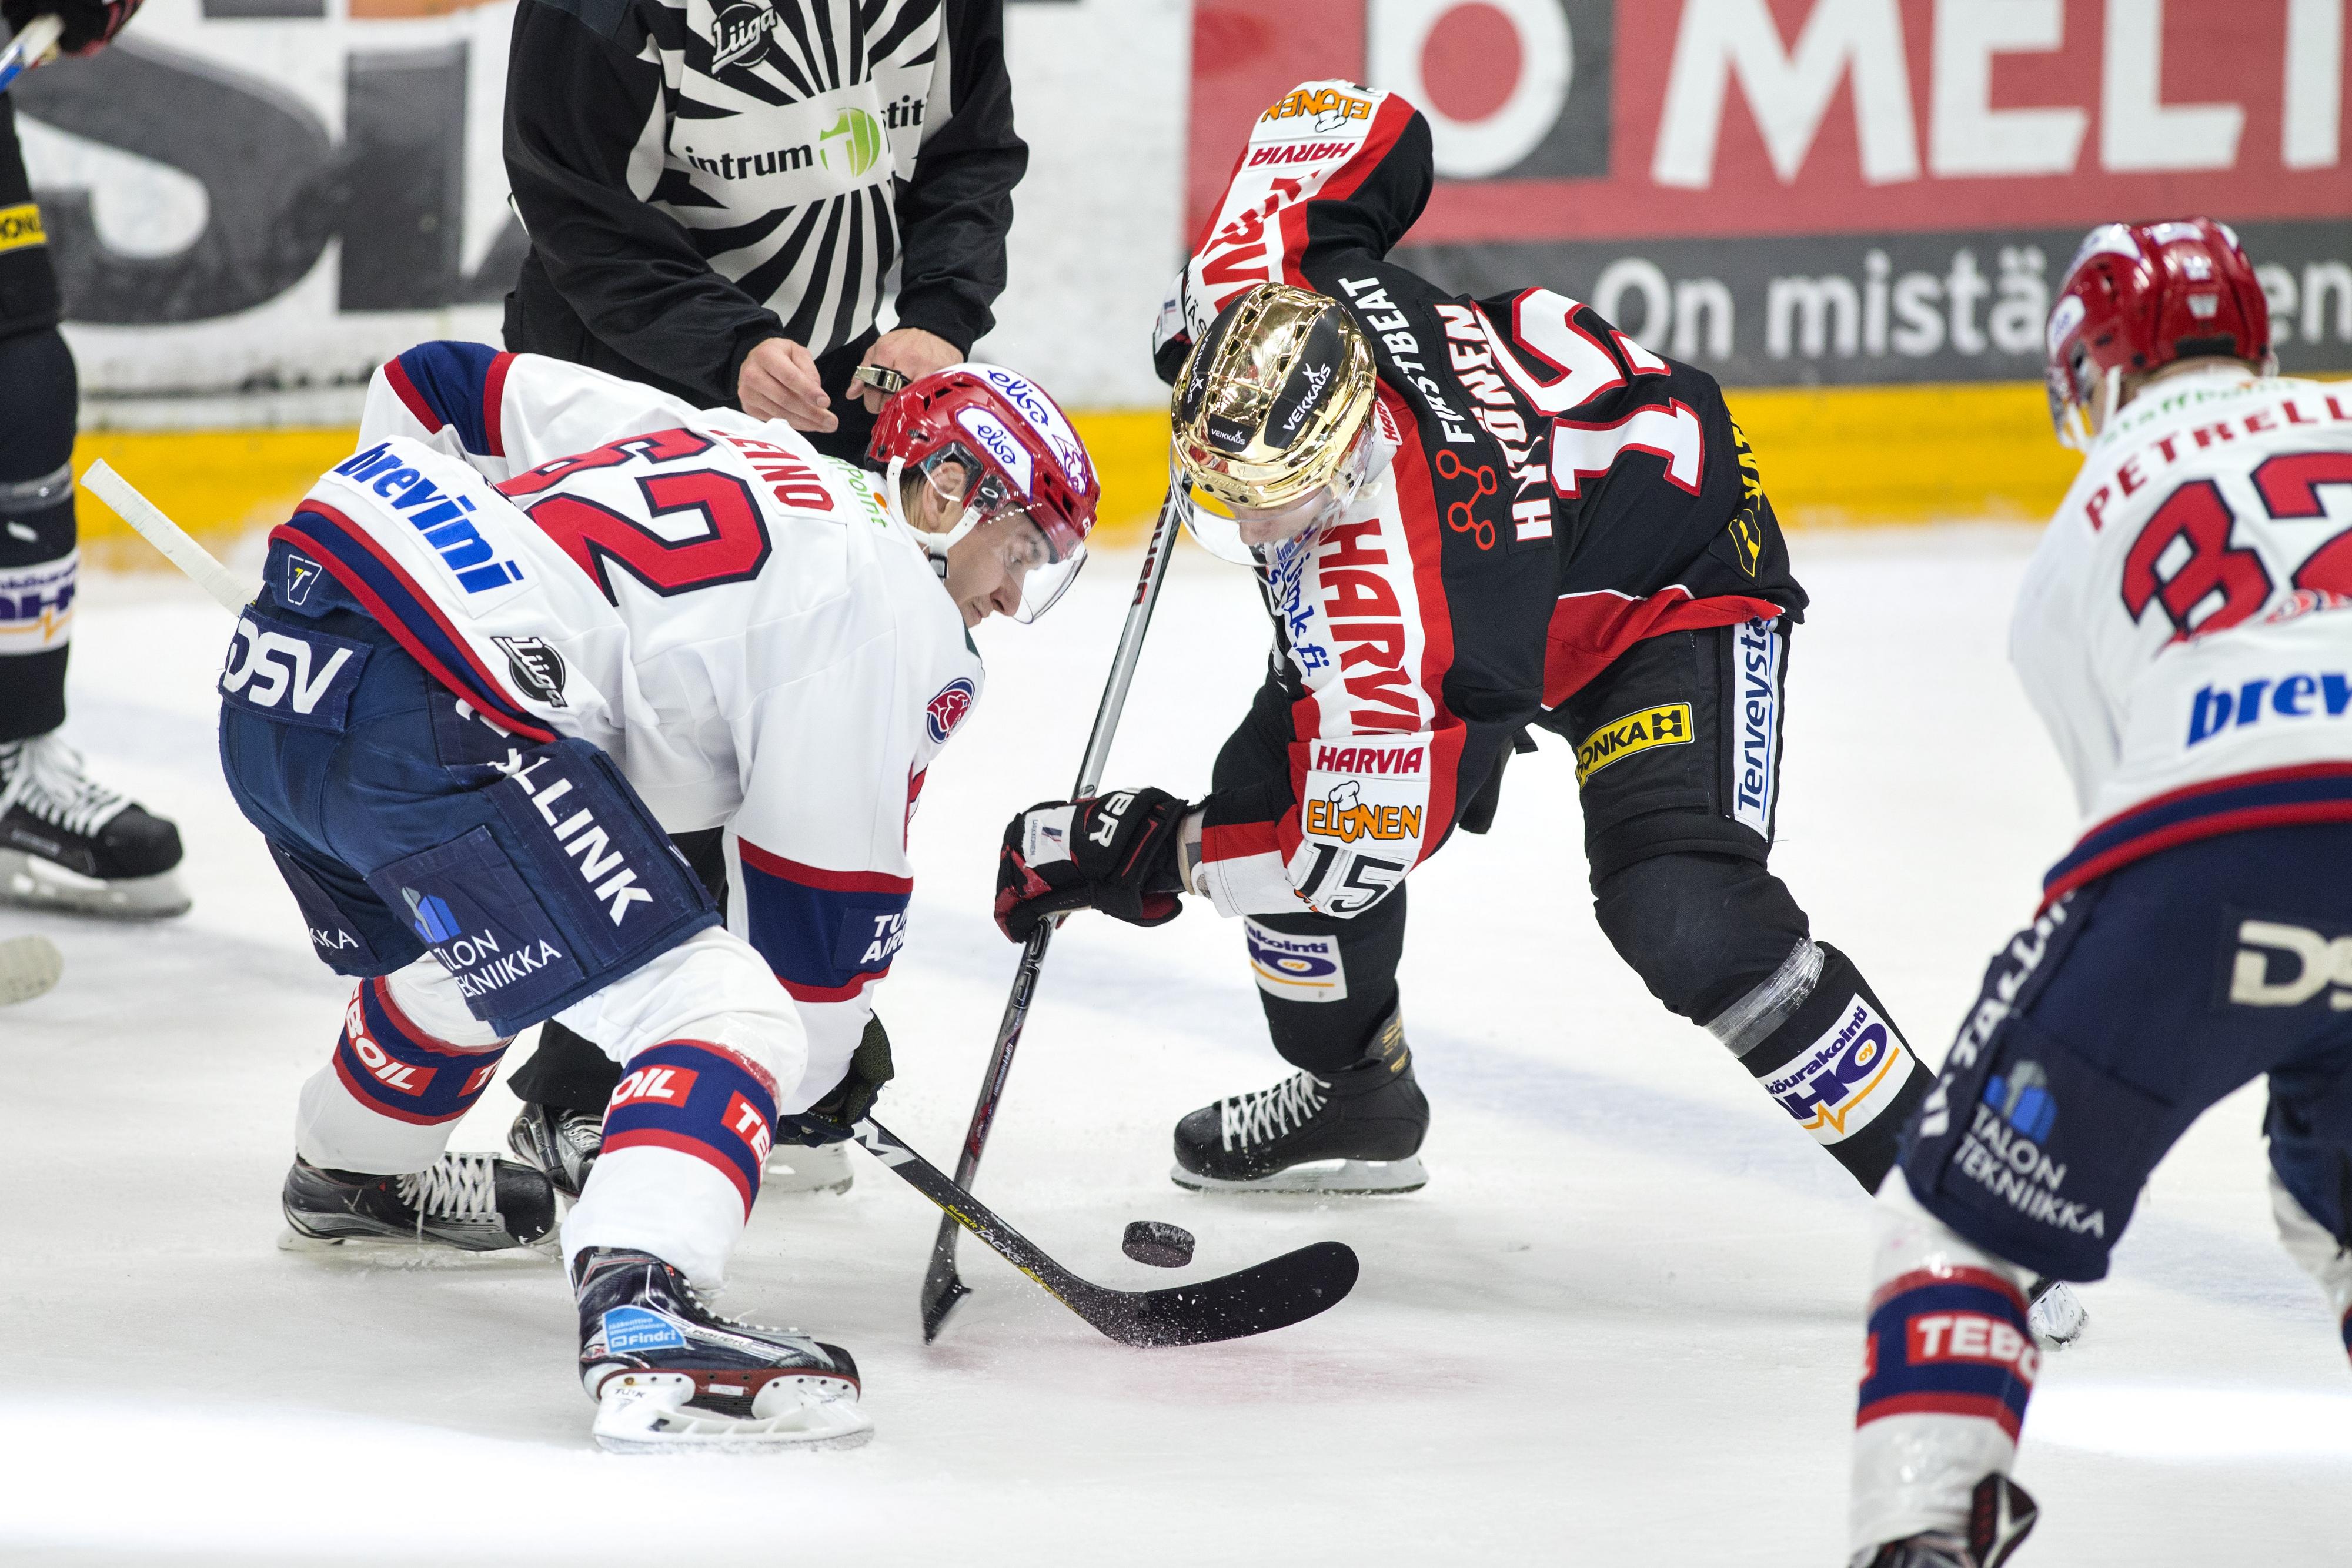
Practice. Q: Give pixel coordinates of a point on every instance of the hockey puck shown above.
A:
(1161, 1245)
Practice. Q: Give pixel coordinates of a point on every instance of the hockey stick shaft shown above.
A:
(941, 1289)
(32, 46)
(1269, 1295)
(178, 547)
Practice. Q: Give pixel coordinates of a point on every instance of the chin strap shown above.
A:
(935, 547)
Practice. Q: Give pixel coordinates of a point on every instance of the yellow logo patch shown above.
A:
(1668, 724)
(21, 226)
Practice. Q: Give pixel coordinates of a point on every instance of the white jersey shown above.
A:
(2185, 629)
(731, 617)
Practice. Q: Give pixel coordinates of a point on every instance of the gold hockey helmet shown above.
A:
(1270, 401)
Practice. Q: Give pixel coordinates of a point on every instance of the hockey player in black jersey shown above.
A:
(1473, 517)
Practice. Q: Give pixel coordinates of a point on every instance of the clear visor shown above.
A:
(963, 497)
(1238, 534)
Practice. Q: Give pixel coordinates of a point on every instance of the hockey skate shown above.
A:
(468, 1203)
(2000, 1516)
(1359, 1131)
(2054, 1314)
(68, 842)
(667, 1373)
(563, 1145)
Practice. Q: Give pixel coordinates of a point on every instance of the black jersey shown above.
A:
(1559, 493)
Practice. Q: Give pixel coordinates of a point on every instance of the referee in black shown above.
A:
(783, 206)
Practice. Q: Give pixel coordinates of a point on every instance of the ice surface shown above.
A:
(1620, 1325)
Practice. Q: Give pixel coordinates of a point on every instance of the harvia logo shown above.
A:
(857, 137)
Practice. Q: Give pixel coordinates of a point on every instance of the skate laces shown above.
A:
(45, 776)
(1268, 1113)
(455, 1186)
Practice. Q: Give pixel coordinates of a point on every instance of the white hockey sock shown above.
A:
(410, 1062)
(2320, 1255)
(1949, 1367)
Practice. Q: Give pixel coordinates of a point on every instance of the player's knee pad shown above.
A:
(1327, 985)
(698, 1099)
(39, 394)
(1701, 930)
(39, 560)
(713, 987)
(399, 1066)
(1950, 1367)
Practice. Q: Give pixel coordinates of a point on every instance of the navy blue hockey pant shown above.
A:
(2109, 1025)
(406, 823)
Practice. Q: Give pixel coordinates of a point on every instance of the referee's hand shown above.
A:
(909, 351)
(779, 380)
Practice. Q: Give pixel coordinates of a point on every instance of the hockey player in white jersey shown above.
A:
(2185, 632)
(542, 620)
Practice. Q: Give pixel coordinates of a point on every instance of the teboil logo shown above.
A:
(1342, 815)
(441, 516)
(2317, 963)
(584, 841)
(744, 1120)
(656, 1086)
(1971, 1336)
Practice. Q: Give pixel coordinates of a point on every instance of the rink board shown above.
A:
(1839, 456)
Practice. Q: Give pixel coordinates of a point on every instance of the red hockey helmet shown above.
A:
(993, 443)
(2140, 296)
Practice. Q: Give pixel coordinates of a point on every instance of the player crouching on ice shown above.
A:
(543, 620)
(1472, 516)
(2185, 632)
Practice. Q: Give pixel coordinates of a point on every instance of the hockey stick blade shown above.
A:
(1256, 1300)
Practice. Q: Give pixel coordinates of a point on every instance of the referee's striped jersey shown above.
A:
(695, 177)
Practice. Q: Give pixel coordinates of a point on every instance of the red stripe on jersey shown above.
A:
(1425, 537)
(1306, 729)
(1588, 630)
(2240, 821)
(759, 859)
(849, 992)
(494, 389)
(389, 620)
(1340, 183)
(1239, 840)
(395, 375)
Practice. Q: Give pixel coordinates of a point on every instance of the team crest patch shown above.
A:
(536, 667)
(945, 711)
(1668, 724)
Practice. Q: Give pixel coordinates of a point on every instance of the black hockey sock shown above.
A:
(37, 558)
(1818, 1040)
(567, 1073)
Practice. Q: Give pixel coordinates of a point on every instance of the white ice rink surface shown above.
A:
(1619, 1327)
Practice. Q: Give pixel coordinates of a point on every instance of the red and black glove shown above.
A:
(87, 24)
(1115, 852)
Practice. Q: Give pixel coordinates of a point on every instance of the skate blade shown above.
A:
(407, 1252)
(1334, 1177)
(794, 1168)
(646, 1413)
(29, 966)
(38, 884)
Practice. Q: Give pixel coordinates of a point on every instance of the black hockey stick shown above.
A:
(1269, 1295)
(941, 1287)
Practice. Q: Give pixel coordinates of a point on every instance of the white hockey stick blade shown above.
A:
(35, 46)
(226, 590)
(28, 967)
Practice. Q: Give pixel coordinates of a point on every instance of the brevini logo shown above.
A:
(436, 514)
(2322, 695)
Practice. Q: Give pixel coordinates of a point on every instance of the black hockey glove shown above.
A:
(837, 1116)
(87, 24)
(1113, 852)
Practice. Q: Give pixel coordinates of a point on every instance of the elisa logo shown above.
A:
(945, 711)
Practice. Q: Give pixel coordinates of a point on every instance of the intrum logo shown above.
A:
(856, 136)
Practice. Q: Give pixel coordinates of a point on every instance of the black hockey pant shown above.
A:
(1678, 746)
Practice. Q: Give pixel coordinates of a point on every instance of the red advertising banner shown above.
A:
(1831, 190)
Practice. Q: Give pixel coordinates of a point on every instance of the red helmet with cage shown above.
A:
(1006, 428)
(2139, 297)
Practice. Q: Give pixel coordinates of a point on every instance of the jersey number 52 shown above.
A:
(716, 533)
